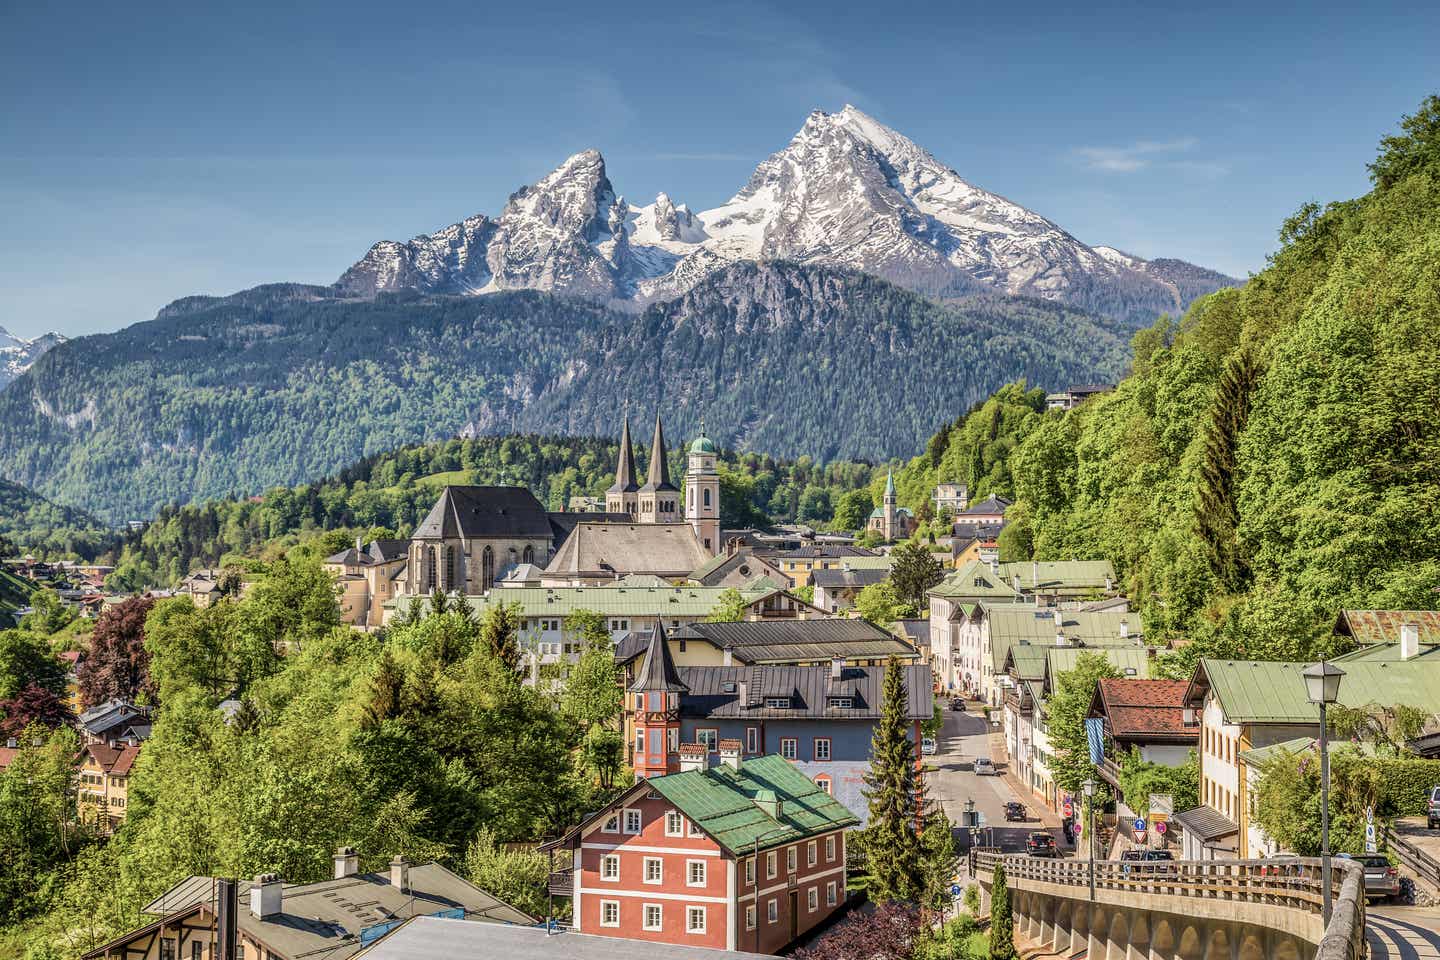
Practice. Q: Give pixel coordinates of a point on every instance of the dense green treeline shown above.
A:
(388, 494)
(1274, 456)
(30, 522)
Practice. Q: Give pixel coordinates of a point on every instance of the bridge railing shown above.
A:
(1285, 883)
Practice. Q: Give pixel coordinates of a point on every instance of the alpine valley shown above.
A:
(853, 295)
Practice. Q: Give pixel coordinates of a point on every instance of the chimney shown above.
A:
(359, 547)
(347, 863)
(1059, 618)
(694, 758)
(1034, 573)
(400, 873)
(227, 915)
(1018, 587)
(265, 896)
(769, 804)
(1060, 639)
(1409, 641)
(1109, 585)
(12, 743)
(994, 566)
(727, 658)
(837, 666)
(730, 751)
(1124, 629)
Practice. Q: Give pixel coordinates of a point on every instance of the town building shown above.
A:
(114, 721)
(890, 520)
(1066, 583)
(270, 919)
(836, 588)
(738, 568)
(746, 852)
(702, 492)
(820, 718)
(597, 553)
(956, 652)
(367, 575)
(1071, 397)
(797, 643)
(103, 790)
(950, 497)
(1244, 705)
(800, 563)
(1142, 715)
(988, 512)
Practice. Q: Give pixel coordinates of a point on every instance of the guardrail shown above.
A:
(1413, 858)
(1291, 884)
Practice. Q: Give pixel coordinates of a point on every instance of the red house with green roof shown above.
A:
(748, 854)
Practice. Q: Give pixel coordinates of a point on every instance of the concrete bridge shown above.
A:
(1181, 910)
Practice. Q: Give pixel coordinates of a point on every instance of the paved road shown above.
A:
(1403, 933)
(966, 736)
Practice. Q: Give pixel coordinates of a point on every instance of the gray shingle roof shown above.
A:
(472, 511)
(834, 579)
(657, 672)
(716, 692)
(434, 938)
(603, 549)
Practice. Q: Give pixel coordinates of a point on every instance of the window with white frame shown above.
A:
(840, 703)
(823, 782)
(695, 873)
(792, 859)
(610, 867)
(632, 820)
(654, 870)
(812, 899)
(830, 848)
(609, 913)
(673, 739)
(674, 823)
(830, 894)
(750, 916)
(752, 739)
(654, 916)
(812, 853)
(772, 868)
(640, 741)
(612, 824)
(694, 919)
(750, 872)
(777, 703)
(772, 911)
(822, 748)
(789, 748)
(710, 737)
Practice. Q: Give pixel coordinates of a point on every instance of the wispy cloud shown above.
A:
(1135, 156)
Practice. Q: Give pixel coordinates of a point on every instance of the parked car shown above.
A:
(1041, 844)
(1432, 818)
(927, 746)
(1016, 811)
(1382, 879)
(983, 767)
(957, 704)
(1147, 861)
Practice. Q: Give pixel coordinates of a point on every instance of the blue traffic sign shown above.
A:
(954, 889)
(1139, 823)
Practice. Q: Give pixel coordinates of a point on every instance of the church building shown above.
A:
(891, 521)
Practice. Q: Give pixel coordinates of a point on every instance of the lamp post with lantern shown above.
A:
(1322, 686)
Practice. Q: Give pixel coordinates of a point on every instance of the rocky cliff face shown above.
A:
(846, 192)
(17, 353)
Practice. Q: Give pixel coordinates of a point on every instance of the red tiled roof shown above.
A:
(1146, 709)
(71, 657)
(7, 754)
(115, 761)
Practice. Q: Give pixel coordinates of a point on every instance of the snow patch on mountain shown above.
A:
(18, 354)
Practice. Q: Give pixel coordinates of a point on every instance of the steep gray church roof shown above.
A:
(625, 468)
(659, 479)
(470, 511)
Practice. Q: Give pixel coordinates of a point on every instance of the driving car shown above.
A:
(1382, 879)
(1141, 860)
(957, 704)
(1016, 811)
(1041, 844)
(983, 767)
(1432, 814)
(927, 746)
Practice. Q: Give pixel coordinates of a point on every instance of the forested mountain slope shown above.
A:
(281, 384)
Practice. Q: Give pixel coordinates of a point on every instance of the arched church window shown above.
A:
(487, 569)
(529, 555)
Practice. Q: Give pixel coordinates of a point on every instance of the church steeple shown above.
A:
(659, 498)
(622, 495)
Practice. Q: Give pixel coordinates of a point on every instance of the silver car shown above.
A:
(983, 767)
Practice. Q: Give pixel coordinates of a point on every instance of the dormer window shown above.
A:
(841, 703)
(777, 703)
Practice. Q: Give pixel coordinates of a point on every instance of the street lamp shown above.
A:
(1088, 787)
(1322, 686)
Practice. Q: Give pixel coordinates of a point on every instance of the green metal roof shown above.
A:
(1257, 756)
(702, 445)
(1385, 652)
(1252, 691)
(722, 801)
(1036, 625)
(1125, 659)
(883, 562)
(1060, 576)
(1029, 661)
(975, 581)
(710, 566)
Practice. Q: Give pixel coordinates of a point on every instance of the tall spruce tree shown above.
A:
(1002, 918)
(895, 864)
(500, 634)
(914, 572)
(1216, 512)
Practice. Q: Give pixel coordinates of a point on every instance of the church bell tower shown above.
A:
(702, 493)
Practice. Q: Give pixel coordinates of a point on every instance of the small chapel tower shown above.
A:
(889, 524)
(655, 702)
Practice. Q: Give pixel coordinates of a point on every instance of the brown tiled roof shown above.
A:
(1383, 626)
(115, 761)
(1145, 709)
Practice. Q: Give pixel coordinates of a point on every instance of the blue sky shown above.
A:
(154, 150)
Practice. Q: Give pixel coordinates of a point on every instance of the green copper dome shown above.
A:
(702, 445)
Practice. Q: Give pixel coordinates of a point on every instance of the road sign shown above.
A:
(1370, 832)
(954, 889)
(1371, 846)
(1139, 824)
(1160, 827)
(1079, 829)
(1139, 836)
(1162, 805)
(1068, 808)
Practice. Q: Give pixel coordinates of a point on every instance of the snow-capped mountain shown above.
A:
(17, 354)
(846, 191)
